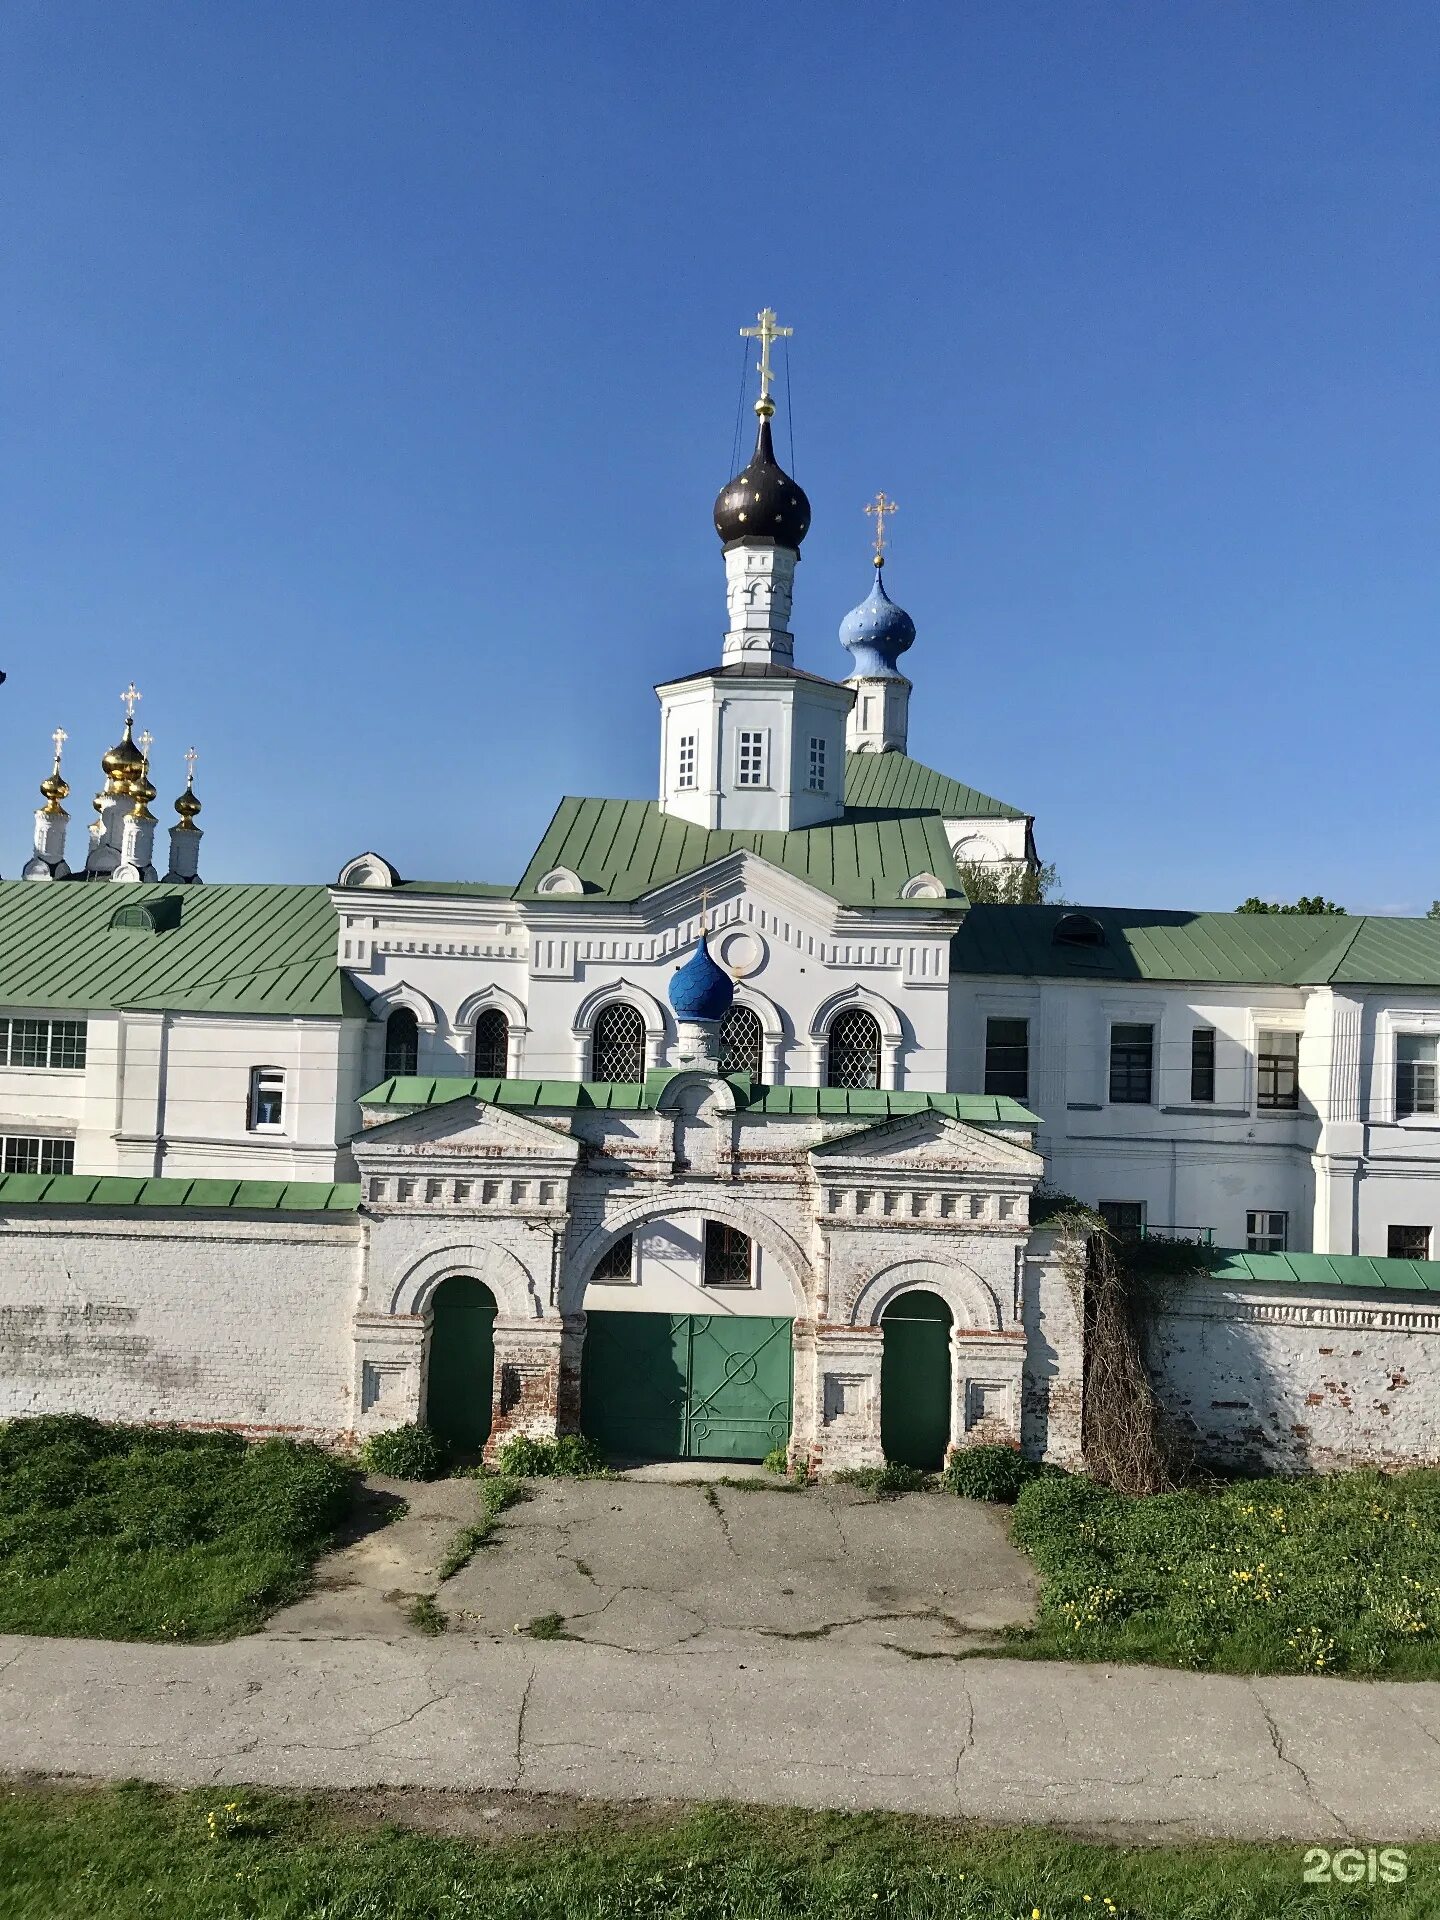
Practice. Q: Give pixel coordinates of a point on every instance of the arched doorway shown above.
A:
(461, 1378)
(915, 1380)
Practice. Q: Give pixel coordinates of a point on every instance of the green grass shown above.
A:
(424, 1614)
(496, 1494)
(1335, 1574)
(548, 1626)
(154, 1533)
(235, 1854)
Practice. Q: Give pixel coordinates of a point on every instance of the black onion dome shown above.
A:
(763, 502)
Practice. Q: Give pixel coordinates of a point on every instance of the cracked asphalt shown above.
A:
(787, 1649)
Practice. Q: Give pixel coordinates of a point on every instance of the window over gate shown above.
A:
(741, 1042)
(402, 1043)
(617, 1047)
(492, 1045)
(852, 1050)
(727, 1256)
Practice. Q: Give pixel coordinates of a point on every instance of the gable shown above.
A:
(466, 1129)
(924, 1143)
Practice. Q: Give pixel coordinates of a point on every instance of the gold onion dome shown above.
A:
(124, 762)
(55, 788)
(187, 806)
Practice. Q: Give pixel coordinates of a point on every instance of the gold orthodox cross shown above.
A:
(881, 507)
(128, 699)
(767, 331)
(191, 756)
(58, 739)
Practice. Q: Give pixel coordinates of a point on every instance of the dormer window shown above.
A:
(750, 757)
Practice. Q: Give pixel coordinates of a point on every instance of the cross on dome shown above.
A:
(129, 699)
(881, 507)
(767, 331)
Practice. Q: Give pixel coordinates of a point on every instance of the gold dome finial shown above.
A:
(124, 760)
(187, 806)
(56, 787)
(141, 789)
(767, 331)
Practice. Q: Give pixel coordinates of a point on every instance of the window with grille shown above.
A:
(1202, 1063)
(1007, 1058)
(727, 1256)
(492, 1045)
(852, 1052)
(42, 1043)
(685, 761)
(750, 760)
(617, 1048)
(1132, 1064)
(741, 1042)
(1407, 1243)
(1277, 1072)
(617, 1262)
(1415, 1060)
(402, 1043)
(817, 764)
(267, 1099)
(1266, 1232)
(1124, 1218)
(33, 1153)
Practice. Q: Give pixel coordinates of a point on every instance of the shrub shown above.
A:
(571, 1456)
(777, 1461)
(885, 1482)
(991, 1473)
(405, 1453)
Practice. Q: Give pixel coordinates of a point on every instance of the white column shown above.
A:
(185, 854)
(48, 861)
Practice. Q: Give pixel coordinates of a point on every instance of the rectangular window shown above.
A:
(33, 1153)
(685, 770)
(1407, 1243)
(1266, 1232)
(267, 1099)
(1415, 1055)
(1124, 1218)
(1277, 1072)
(1007, 1058)
(1202, 1064)
(1132, 1060)
(817, 764)
(616, 1262)
(750, 761)
(42, 1043)
(727, 1256)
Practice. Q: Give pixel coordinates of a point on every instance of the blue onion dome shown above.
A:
(877, 632)
(701, 989)
(763, 502)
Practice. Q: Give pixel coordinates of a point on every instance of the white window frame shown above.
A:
(687, 761)
(1416, 1112)
(8, 1023)
(1260, 1225)
(40, 1141)
(817, 763)
(752, 756)
(265, 1080)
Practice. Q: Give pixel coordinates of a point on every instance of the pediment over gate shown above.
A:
(466, 1130)
(925, 1143)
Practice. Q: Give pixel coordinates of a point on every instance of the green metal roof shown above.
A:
(980, 1109)
(1326, 1270)
(1202, 948)
(119, 1190)
(237, 949)
(894, 783)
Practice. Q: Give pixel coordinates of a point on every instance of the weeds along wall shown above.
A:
(1290, 1379)
(238, 1320)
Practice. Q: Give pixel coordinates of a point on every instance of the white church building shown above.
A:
(718, 1131)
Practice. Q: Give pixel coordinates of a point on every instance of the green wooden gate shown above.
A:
(461, 1378)
(686, 1386)
(915, 1380)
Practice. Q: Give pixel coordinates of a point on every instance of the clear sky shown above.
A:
(369, 370)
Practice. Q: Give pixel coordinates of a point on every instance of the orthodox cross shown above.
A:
(881, 508)
(128, 699)
(147, 740)
(191, 756)
(58, 739)
(767, 331)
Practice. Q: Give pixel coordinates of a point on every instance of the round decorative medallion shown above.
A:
(742, 952)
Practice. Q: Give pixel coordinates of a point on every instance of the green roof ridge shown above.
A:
(167, 1193)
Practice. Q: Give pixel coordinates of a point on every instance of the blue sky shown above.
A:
(369, 370)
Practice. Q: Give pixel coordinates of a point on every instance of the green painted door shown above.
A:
(686, 1386)
(915, 1380)
(461, 1380)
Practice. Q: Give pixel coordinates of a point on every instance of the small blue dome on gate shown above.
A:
(877, 632)
(701, 989)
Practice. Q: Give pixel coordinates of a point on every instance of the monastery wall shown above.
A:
(177, 1317)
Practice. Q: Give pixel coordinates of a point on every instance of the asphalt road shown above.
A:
(1124, 1750)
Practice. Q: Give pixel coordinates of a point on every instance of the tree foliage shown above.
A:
(1307, 903)
(1004, 885)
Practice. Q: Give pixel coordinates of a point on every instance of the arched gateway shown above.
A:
(459, 1394)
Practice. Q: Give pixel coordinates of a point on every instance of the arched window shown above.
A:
(402, 1043)
(617, 1048)
(741, 1042)
(852, 1049)
(492, 1045)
